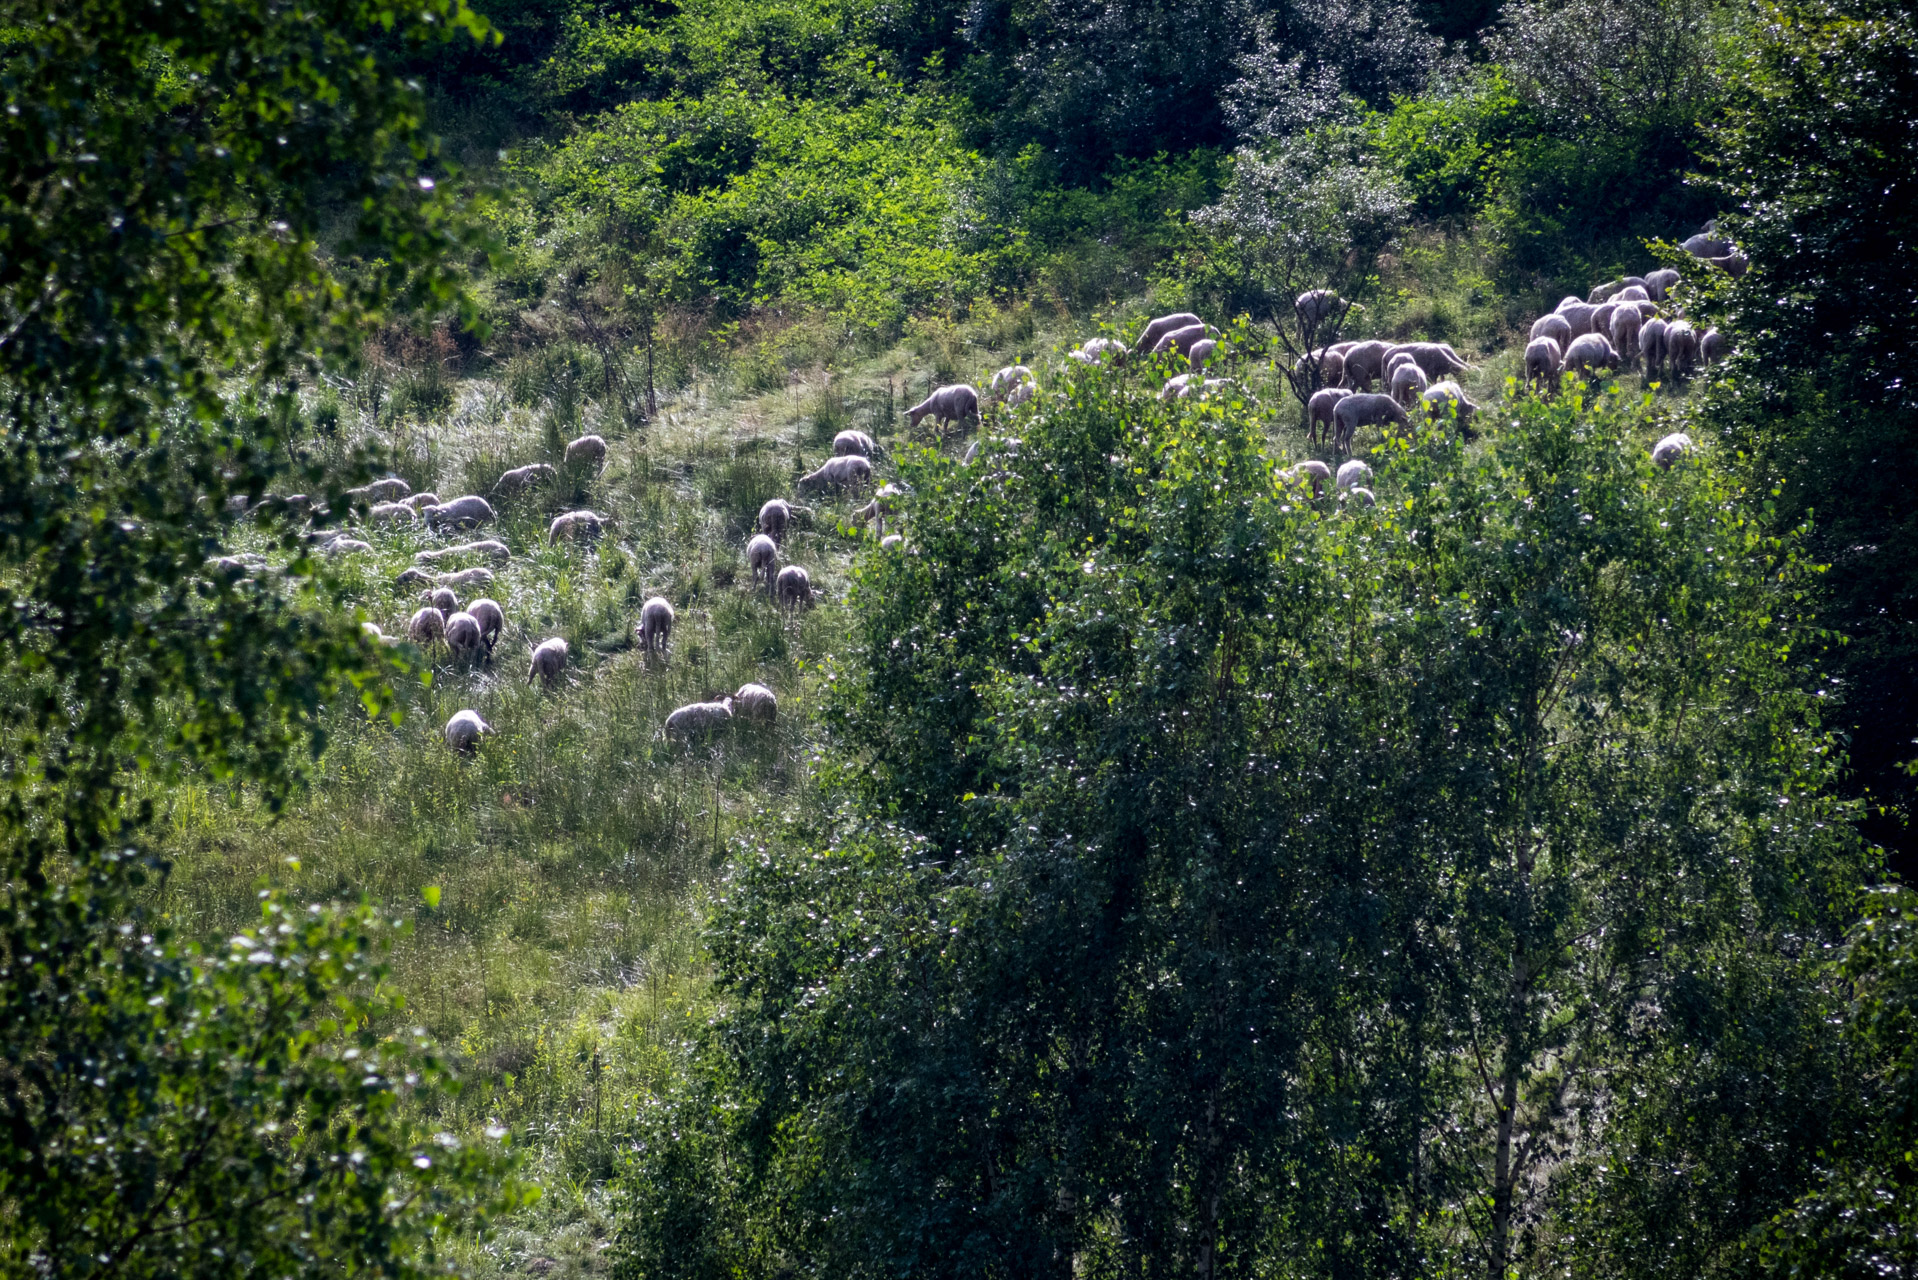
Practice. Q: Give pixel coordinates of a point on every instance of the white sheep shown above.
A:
(1315, 307)
(1183, 340)
(1447, 400)
(848, 472)
(464, 637)
(460, 513)
(464, 730)
(1365, 363)
(1094, 350)
(699, 720)
(1353, 472)
(1202, 352)
(1312, 470)
(1589, 352)
(410, 576)
(519, 478)
(1203, 386)
(392, 513)
(1707, 245)
(1659, 283)
(851, 442)
(1681, 347)
(390, 489)
(1556, 327)
(1007, 378)
(1653, 345)
(1602, 318)
(345, 546)
(1319, 411)
(476, 577)
(426, 626)
(492, 548)
(1360, 493)
(443, 599)
(1632, 293)
(890, 541)
(793, 587)
(1408, 382)
(1671, 449)
(574, 526)
(1175, 386)
(1331, 367)
(1543, 361)
(1021, 393)
(774, 516)
(655, 626)
(1712, 346)
(549, 662)
(1362, 409)
(588, 449)
(884, 503)
(421, 501)
(1156, 330)
(1436, 359)
(492, 620)
(1734, 264)
(947, 404)
(756, 702)
(762, 555)
(1579, 316)
(1626, 323)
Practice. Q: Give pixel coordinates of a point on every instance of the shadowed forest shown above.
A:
(851, 640)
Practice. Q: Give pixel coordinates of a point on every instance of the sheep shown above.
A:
(1652, 345)
(421, 501)
(1365, 362)
(793, 587)
(1602, 318)
(1361, 410)
(1021, 393)
(1626, 322)
(463, 636)
(492, 548)
(1393, 359)
(1632, 293)
(391, 489)
(519, 478)
(1149, 339)
(1681, 347)
(574, 526)
(1202, 352)
(443, 599)
(549, 663)
(1319, 410)
(1314, 471)
(1447, 400)
(762, 556)
(460, 513)
(426, 626)
(698, 720)
(491, 618)
(1350, 473)
(1204, 387)
(850, 471)
(1360, 493)
(392, 513)
(883, 504)
(847, 443)
(1408, 382)
(340, 546)
(371, 630)
(1568, 300)
(1579, 316)
(773, 518)
(1315, 307)
(1712, 346)
(948, 405)
(1436, 358)
(1659, 283)
(1556, 327)
(1734, 264)
(1008, 378)
(1182, 340)
(1543, 361)
(1590, 351)
(1707, 245)
(890, 541)
(1331, 367)
(1175, 386)
(410, 576)
(1671, 449)
(465, 578)
(1094, 350)
(589, 449)
(655, 626)
(464, 730)
(756, 702)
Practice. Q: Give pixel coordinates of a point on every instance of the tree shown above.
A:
(167, 176)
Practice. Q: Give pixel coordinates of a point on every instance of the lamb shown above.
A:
(698, 720)
(1436, 358)
(655, 626)
(1447, 400)
(851, 471)
(1365, 362)
(948, 404)
(492, 548)
(1408, 382)
(1556, 327)
(464, 730)
(1202, 352)
(1361, 410)
(1591, 351)
(1659, 283)
(1315, 307)
(762, 556)
(773, 518)
(793, 587)
(1543, 362)
(847, 443)
(1579, 316)
(1671, 449)
(1149, 339)
(392, 513)
(426, 626)
(756, 702)
(574, 526)
(465, 578)
(1006, 379)
(491, 618)
(1712, 346)
(549, 663)
(421, 501)
(1182, 340)
(883, 504)
(587, 449)
(464, 637)
(1626, 322)
(520, 478)
(443, 599)
(460, 513)
(1352, 472)
(1681, 347)
(1319, 410)
(1652, 345)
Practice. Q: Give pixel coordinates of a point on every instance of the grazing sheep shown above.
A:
(1362, 494)
(850, 471)
(1315, 307)
(793, 587)
(1436, 358)
(890, 541)
(371, 630)
(1363, 409)
(443, 599)
(1007, 378)
(847, 443)
(574, 526)
(590, 449)
(520, 478)
(391, 489)
(465, 578)
(1202, 352)
(464, 637)
(883, 504)
(1331, 366)
(1543, 361)
(1556, 327)
(491, 618)
(1319, 411)
(492, 548)
(1671, 449)
(549, 663)
(1653, 345)
(774, 517)
(426, 626)
(756, 702)
(1408, 382)
(1094, 350)
(1314, 471)
(464, 730)
(1394, 359)
(655, 626)
(1626, 322)
(1659, 283)
(1365, 363)
(1681, 347)
(410, 576)
(1590, 351)
(699, 720)
(1579, 316)
(1175, 386)
(1707, 245)
(1183, 340)
(345, 546)
(1350, 473)
(1205, 387)
(762, 556)
(1734, 264)
(421, 501)
(392, 513)
(1021, 393)
(1632, 293)
(1149, 339)
(1602, 318)
(1444, 400)
(1712, 346)
(460, 513)
(948, 405)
